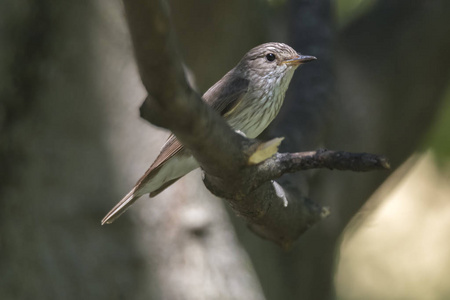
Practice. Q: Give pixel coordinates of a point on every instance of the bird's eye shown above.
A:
(270, 57)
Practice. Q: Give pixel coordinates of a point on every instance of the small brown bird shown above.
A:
(249, 97)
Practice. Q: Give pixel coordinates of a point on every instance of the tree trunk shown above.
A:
(58, 171)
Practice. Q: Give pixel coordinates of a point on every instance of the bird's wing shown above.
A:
(229, 99)
(226, 100)
(170, 148)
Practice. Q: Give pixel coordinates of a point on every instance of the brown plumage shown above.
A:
(248, 97)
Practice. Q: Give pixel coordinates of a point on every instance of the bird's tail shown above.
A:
(120, 207)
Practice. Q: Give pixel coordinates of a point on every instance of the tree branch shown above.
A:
(282, 163)
(171, 102)
(270, 211)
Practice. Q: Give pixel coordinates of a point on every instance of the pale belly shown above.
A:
(251, 121)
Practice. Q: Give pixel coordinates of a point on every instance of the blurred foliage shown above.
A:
(439, 137)
(347, 10)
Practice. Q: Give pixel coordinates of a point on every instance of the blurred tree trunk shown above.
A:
(57, 173)
(303, 122)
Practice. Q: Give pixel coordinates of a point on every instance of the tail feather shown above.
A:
(120, 207)
(155, 180)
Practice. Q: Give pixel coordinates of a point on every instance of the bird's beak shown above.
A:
(300, 59)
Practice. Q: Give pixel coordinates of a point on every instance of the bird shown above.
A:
(248, 97)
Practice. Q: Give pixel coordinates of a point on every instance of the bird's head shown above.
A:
(272, 61)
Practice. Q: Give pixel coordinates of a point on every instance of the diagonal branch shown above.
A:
(270, 211)
(171, 102)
